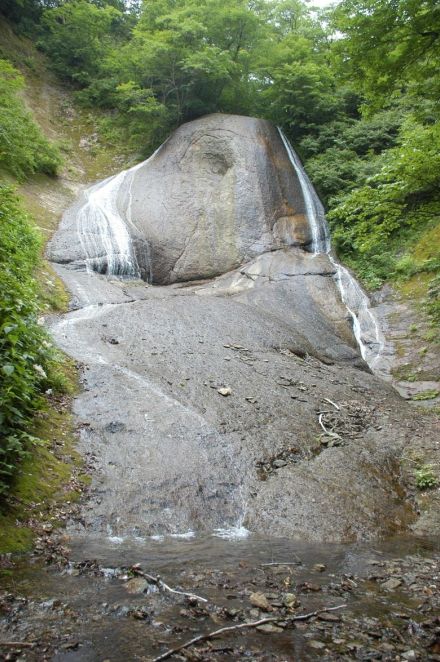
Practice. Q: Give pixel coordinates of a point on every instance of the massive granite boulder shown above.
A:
(220, 197)
(236, 401)
(220, 191)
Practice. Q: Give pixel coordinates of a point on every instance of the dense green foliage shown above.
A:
(391, 47)
(26, 356)
(390, 53)
(179, 59)
(399, 200)
(23, 148)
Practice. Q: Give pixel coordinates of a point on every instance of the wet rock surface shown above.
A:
(195, 394)
(207, 384)
(222, 420)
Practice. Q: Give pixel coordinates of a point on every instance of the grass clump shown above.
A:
(46, 482)
(425, 477)
(429, 394)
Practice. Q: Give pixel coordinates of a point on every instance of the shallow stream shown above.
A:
(95, 611)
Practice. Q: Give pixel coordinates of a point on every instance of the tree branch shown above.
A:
(137, 570)
(242, 626)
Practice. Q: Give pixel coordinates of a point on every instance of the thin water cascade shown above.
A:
(314, 209)
(365, 326)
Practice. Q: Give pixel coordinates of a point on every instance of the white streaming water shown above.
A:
(103, 231)
(314, 209)
(365, 326)
(109, 248)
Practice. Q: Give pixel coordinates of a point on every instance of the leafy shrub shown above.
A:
(23, 148)
(425, 477)
(395, 204)
(26, 355)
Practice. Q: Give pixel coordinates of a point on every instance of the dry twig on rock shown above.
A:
(137, 570)
(332, 403)
(327, 432)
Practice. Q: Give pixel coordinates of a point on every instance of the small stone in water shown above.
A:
(319, 567)
(290, 600)
(259, 600)
(391, 584)
(136, 585)
(232, 612)
(268, 628)
(316, 644)
(325, 616)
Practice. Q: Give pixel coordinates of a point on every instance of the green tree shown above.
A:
(390, 47)
(77, 37)
(184, 59)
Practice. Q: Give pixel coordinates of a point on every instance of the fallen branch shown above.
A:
(242, 626)
(327, 432)
(292, 554)
(158, 581)
(332, 403)
(16, 644)
(265, 565)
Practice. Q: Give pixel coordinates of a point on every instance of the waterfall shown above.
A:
(365, 327)
(103, 231)
(314, 209)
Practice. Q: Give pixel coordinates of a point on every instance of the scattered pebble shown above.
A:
(225, 391)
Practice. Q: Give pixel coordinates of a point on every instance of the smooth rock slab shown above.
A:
(187, 459)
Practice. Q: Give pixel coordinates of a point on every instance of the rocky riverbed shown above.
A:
(356, 602)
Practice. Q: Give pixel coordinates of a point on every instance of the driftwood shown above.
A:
(327, 432)
(296, 562)
(242, 626)
(332, 403)
(16, 644)
(266, 565)
(158, 581)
